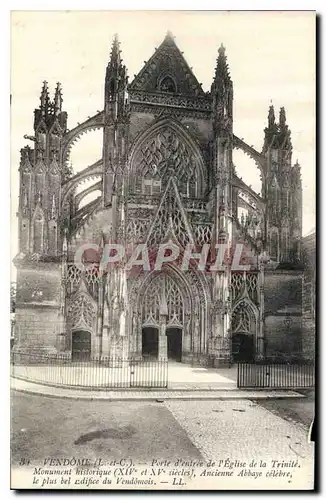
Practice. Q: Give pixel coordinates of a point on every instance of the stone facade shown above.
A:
(166, 175)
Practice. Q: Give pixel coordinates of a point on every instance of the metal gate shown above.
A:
(149, 373)
(105, 373)
(276, 375)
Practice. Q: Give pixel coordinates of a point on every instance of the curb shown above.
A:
(164, 397)
(132, 389)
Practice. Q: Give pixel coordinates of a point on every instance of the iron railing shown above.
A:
(101, 373)
(276, 375)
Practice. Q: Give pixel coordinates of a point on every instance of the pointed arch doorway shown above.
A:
(162, 318)
(244, 331)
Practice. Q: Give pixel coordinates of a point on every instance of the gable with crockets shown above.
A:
(167, 71)
(170, 221)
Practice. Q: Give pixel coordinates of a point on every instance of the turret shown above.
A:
(116, 109)
(222, 108)
(41, 177)
(116, 82)
(281, 187)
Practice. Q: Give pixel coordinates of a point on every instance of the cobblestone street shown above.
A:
(242, 430)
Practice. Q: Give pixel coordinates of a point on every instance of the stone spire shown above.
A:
(115, 57)
(116, 77)
(222, 68)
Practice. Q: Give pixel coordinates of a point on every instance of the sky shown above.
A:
(271, 57)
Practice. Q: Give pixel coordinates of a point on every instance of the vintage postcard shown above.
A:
(163, 250)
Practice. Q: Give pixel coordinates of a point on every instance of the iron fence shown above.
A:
(101, 373)
(276, 375)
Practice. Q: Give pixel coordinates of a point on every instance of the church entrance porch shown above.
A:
(150, 342)
(81, 345)
(174, 343)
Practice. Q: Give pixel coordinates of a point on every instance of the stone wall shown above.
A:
(38, 307)
(283, 321)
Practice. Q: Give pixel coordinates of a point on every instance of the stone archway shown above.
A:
(162, 309)
(165, 143)
(183, 306)
(81, 322)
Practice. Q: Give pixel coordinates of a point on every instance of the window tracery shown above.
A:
(151, 185)
(203, 234)
(243, 319)
(161, 286)
(164, 155)
(243, 282)
(90, 275)
(169, 216)
(167, 85)
(81, 311)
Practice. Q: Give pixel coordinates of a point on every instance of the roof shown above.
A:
(167, 61)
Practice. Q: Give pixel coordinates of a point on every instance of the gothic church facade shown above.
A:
(166, 175)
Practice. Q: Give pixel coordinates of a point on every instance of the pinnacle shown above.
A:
(222, 69)
(169, 35)
(45, 99)
(271, 115)
(115, 46)
(45, 88)
(282, 117)
(115, 54)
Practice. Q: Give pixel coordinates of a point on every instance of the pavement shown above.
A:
(180, 376)
(187, 392)
(230, 434)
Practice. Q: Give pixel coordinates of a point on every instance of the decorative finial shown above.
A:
(221, 50)
(58, 99)
(222, 70)
(271, 115)
(44, 97)
(282, 117)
